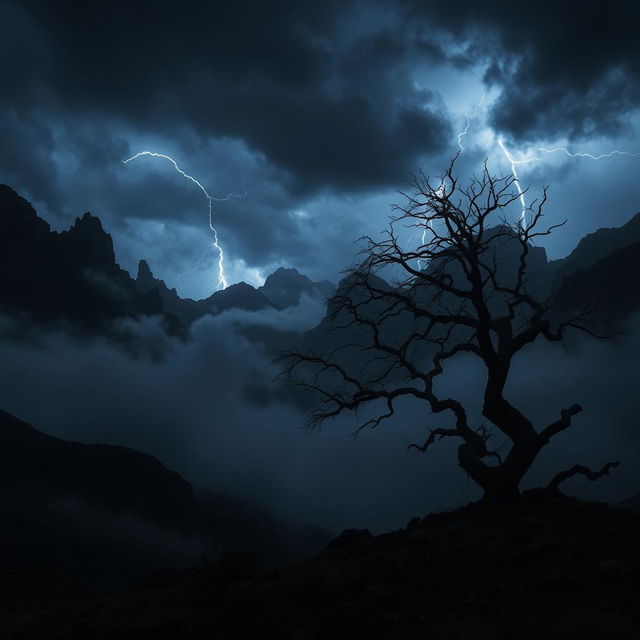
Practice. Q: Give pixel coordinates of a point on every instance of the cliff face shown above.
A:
(70, 277)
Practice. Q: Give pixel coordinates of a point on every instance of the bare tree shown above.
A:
(457, 295)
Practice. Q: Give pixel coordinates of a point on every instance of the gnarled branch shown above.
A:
(579, 469)
(560, 425)
(434, 436)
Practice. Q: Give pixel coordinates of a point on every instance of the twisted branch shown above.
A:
(579, 469)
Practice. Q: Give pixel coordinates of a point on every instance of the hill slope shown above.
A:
(610, 287)
(74, 514)
(597, 245)
(549, 567)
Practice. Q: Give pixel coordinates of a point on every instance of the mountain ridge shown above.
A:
(72, 277)
(596, 245)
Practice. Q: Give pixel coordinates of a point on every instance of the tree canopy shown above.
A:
(469, 287)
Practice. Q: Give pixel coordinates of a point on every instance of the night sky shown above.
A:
(317, 112)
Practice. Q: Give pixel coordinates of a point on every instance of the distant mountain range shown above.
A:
(72, 278)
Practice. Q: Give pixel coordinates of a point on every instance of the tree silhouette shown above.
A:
(466, 289)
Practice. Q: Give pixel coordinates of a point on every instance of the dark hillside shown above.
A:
(75, 514)
(549, 567)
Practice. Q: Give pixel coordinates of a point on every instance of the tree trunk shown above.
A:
(500, 484)
(501, 489)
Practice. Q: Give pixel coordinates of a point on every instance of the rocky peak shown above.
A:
(144, 271)
(284, 287)
(89, 245)
(282, 275)
(145, 281)
(239, 296)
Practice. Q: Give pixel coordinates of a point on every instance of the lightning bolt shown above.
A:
(568, 153)
(516, 180)
(469, 119)
(222, 280)
(513, 162)
(422, 241)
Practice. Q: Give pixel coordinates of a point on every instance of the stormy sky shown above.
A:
(317, 111)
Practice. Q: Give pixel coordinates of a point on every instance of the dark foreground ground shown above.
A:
(549, 567)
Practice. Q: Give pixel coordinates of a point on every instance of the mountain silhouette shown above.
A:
(101, 513)
(598, 245)
(581, 282)
(337, 329)
(285, 287)
(186, 310)
(72, 279)
(237, 296)
(282, 289)
(601, 276)
(609, 289)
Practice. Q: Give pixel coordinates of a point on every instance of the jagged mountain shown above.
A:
(186, 310)
(608, 288)
(237, 296)
(281, 290)
(72, 278)
(601, 275)
(503, 255)
(284, 288)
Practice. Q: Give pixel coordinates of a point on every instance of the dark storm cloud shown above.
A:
(329, 112)
(27, 145)
(320, 106)
(565, 68)
(333, 108)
